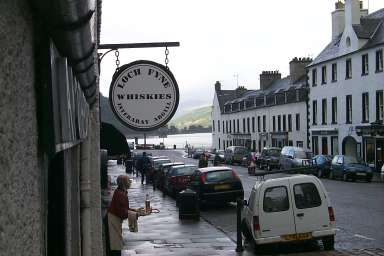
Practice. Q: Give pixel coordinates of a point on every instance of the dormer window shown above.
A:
(348, 42)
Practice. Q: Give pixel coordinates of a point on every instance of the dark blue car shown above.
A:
(350, 168)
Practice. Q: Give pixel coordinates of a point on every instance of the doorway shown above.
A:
(324, 145)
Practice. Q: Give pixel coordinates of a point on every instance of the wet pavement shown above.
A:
(164, 233)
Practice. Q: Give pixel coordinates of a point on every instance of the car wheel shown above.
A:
(269, 168)
(345, 177)
(319, 173)
(369, 179)
(329, 243)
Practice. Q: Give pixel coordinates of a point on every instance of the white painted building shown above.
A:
(275, 115)
(346, 83)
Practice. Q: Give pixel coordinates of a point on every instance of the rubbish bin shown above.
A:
(174, 146)
(188, 205)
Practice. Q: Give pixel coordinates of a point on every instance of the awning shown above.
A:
(113, 140)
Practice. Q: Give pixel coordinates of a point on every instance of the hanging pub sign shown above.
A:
(144, 95)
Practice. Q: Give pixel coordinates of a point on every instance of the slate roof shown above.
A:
(284, 84)
(371, 27)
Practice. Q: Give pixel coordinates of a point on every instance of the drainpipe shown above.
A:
(85, 190)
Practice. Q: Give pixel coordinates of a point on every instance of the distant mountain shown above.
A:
(197, 117)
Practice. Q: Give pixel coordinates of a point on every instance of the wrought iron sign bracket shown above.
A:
(114, 47)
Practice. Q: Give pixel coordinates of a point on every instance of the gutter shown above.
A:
(71, 24)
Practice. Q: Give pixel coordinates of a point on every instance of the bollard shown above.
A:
(239, 245)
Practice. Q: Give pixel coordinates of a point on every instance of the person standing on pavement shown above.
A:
(117, 212)
(143, 164)
(203, 161)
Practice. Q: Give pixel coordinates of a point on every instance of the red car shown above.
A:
(178, 177)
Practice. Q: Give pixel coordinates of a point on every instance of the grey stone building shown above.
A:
(49, 128)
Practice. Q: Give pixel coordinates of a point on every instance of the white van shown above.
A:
(289, 209)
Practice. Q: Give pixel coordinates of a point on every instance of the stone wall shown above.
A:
(21, 212)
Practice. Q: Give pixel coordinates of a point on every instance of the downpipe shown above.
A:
(85, 190)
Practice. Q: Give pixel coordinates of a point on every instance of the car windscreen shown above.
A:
(217, 176)
(300, 154)
(351, 160)
(159, 162)
(187, 170)
(274, 152)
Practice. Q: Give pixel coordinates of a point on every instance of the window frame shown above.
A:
(365, 107)
(379, 61)
(334, 72)
(286, 198)
(324, 111)
(348, 109)
(334, 110)
(317, 195)
(323, 74)
(314, 112)
(348, 68)
(364, 64)
(314, 77)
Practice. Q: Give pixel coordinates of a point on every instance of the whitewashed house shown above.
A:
(275, 115)
(346, 82)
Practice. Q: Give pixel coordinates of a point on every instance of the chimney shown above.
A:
(352, 12)
(297, 68)
(217, 86)
(267, 78)
(338, 19)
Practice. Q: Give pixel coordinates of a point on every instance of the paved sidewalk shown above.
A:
(164, 234)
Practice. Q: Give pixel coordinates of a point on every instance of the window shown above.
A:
(289, 122)
(253, 124)
(365, 107)
(379, 60)
(234, 126)
(334, 110)
(348, 69)
(218, 125)
(324, 111)
(334, 145)
(264, 123)
(219, 143)
(314, 112)
(348, 42)
(334, 72)
(299, 144)
(223, 127)
(306, 196)
(314, 77)
(258, 124)
(274, 123)
(297, 122)
(276, 199)
(279, 123)
(284, 123)
(230, 126)
(248, 125)
(238, 126)
(348, 109)
(379, 106)
(213, 125)
(315, 145)
(226, 127)
(243, 125)
(324, 75)
(364, 65)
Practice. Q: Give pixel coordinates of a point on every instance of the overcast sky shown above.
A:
(219, 39)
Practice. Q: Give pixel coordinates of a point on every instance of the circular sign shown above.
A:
(144, 95)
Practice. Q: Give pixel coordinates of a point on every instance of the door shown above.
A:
(324, 145)
(275, 210)
(310, 206)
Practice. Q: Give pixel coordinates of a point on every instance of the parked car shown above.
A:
(155, 166)
(269, 158)
(178, 177)
(322, 165)
(293, 157)
(350, 168)
(289, 209)
(382, 173)
(218, 183)
(161, 174)
(197, 153)
(235, 154)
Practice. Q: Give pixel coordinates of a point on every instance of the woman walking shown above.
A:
(117, 212)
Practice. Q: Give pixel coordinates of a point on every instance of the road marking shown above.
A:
(363, 237)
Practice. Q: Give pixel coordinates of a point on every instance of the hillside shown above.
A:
(198, 116)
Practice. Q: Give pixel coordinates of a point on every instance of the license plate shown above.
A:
(297, 237)
(222, 186)
(360, 174)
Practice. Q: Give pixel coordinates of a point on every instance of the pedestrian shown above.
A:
(203, 162)
(216, 160)
(144, 165)
(117, 212)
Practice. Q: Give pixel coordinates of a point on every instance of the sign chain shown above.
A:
(166, 57)
(117, 59)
